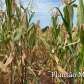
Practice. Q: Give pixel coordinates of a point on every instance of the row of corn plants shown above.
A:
(27, 54)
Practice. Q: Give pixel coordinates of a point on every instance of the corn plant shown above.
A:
(13, 32)
(81, 31)
(68, 17)
(55, 29)
(81, 12)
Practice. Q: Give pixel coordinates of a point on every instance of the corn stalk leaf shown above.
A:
(81, 12)
(66, 21)
(9, 8)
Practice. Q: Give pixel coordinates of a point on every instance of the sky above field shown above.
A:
(42, 10)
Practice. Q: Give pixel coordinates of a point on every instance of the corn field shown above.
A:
(30, 55)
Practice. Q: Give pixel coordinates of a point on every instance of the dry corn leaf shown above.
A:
(3, 67)
(9, 60)
(23, 57)
(56, 59)
(61, 70)
(31, 70)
